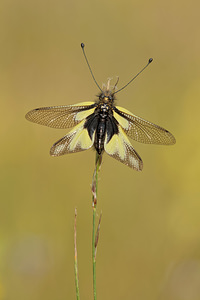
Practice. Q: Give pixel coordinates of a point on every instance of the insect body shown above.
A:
(101, 125)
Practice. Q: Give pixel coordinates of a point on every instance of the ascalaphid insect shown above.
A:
(101, 125)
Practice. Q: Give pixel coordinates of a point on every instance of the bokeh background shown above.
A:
(149, 244)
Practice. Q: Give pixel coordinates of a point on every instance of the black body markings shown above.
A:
(102, 122)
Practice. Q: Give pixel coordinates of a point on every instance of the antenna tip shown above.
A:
(150, 60)
(82, 45)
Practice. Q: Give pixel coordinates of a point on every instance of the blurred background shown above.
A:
(149, 245)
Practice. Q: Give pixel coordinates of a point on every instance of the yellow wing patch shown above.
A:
(76, 140)
(121, 149)
(116, 144)
(122, 121)
(84, 114)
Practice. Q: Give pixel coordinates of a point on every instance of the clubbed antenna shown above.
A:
(150, 60)
(83, 46)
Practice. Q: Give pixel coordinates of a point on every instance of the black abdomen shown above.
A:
(100, 135)
(101, 124)
(106, 128)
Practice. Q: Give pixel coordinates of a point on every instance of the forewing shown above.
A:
(121, 149)
(141, 130)
(61, 116)
(76, 140)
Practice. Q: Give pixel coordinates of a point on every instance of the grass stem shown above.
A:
(95, 235)
(75, 259)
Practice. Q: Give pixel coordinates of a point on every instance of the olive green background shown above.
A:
(149, 245)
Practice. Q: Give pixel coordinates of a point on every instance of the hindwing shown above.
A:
(76, 140)
(121, 149)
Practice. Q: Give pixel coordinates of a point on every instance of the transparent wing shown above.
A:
(141, 130)
(61, 116)
(121, 149)
(76, 140)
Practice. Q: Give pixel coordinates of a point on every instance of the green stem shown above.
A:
(75, 260)
(93, 255)
(94, 205)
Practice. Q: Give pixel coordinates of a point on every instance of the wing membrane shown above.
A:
(141, 130)
(61, 116)
(121, 149)
(76, 140)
